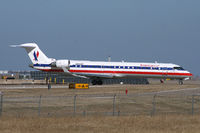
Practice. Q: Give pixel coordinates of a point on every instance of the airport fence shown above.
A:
(100, 105)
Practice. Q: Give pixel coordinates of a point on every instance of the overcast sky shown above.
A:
(134, 30)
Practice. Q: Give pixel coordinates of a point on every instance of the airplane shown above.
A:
(99, 70)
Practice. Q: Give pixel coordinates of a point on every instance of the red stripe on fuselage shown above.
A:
(130, 72)
(118, 72)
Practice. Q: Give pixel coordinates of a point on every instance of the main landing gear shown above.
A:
(97, 82)
(180, 82)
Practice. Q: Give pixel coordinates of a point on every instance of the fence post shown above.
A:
(84, 113)
(114, 105)
(75, 105)
(153, 105)
(1, 106)
(192, 104)
(118, 113)
(39, 104)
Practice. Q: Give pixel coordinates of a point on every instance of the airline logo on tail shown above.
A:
(36, 55)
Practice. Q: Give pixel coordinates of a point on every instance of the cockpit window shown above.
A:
(178, 68)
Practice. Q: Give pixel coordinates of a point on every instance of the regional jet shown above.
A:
(99, 70)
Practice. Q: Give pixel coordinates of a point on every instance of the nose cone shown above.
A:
(189, 74)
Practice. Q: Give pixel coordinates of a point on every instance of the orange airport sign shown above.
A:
(78, 86)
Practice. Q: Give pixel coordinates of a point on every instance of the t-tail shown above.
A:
(35, 54)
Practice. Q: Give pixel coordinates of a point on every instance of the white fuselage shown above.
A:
(117, 69)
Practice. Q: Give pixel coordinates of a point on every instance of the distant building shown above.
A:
(59, 78)
(7, 75)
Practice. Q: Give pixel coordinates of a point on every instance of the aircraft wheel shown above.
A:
(94, 82)
(99, 82)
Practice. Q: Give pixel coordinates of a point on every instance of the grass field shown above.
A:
(133, 124)
(173, 110)
(98, 100)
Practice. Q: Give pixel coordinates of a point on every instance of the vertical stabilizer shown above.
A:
(34, 53)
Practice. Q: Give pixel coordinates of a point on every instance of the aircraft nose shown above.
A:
(189, 73)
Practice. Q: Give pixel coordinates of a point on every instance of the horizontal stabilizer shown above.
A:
(26, 45)
(21, 46)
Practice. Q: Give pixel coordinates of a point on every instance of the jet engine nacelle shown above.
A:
(61, 63)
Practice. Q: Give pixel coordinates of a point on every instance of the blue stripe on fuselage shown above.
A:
(41, 65)
(112, 67)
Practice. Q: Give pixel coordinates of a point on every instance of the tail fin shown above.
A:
(34, 53)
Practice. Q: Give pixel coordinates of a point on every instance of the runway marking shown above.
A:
(31, 87)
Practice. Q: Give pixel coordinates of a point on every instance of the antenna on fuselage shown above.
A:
(109, 58)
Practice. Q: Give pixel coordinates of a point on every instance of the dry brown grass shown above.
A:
(25, 101)
(96, 124)
(133, 124)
